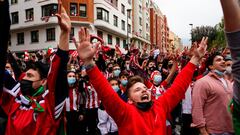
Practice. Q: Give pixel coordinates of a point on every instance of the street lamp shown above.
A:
(191, 31)
(128, 14)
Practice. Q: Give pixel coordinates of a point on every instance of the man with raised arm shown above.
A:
(141, 115)
(231, 10)
(31, 109)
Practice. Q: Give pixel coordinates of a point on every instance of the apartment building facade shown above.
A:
(35, 27)
(113, 21)
(141, 23)
(109, 19)
(175, 42)
(159, 29)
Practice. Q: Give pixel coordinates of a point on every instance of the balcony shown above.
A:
(105, 26)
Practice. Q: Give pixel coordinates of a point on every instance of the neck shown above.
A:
(218, 73)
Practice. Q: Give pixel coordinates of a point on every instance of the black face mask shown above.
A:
(152, 68)
(144, 106)
(86, 78)
(110, 69)
(26, 87)
(170, 66)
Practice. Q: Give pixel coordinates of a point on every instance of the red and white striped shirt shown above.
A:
(107, 75)
(157, 91)
(73, 100)
(91, 96)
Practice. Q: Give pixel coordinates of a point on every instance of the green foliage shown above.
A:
(216, 35)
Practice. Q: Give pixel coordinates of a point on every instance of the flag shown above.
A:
(26, 55)
(105, 49)
(74, 54)
(50, 51)
(117, 49)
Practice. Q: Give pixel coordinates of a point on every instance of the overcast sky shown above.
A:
(180, 13)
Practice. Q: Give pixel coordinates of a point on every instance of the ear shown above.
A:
(44, 82)
(211, 67)
(130, 101)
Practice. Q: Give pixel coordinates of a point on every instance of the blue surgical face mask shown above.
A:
(71, 80)
(157, 79)
(124, 82)
(115, 88)
(218, 72)
(116, 73)
(9, 71)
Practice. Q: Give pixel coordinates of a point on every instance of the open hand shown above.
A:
(63, 18)
(86, 50)
(200, 49)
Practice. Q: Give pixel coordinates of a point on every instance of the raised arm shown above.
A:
(109, 98)
(176, 92)
(231, 11)
(172, 72)
(4, 36)
(57, 78)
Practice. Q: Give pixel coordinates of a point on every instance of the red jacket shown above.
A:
(22, 119)
(132, 121)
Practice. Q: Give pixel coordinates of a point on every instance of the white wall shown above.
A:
(110, 28)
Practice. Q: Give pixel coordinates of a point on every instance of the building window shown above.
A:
(129, 14)
(129, 2)
(109, 39)
(29, 14)
(72, 33)
(50, 34)
(147, 37)
(123, 9)
(102, 14)
(15, 18)
(100, 34)
(34, 36)
(73, 9)
(147, 28)
(140, 21)
(83, 10)
(123, 25)
(115, 20)
(117, 41)
(20, 38)
(140, 9)
(140, 31)
(49, 10)
(129, 28)
(116, 3)
(124, 43)
(14, 1)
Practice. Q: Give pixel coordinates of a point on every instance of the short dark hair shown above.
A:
(210, 59)
(149, 61)
(124, 73)
(40, 67)
(133, 80)
(112, 78)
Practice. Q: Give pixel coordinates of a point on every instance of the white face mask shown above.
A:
(228, 70)
(127, 67)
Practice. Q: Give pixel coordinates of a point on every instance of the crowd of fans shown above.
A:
(98, 90)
